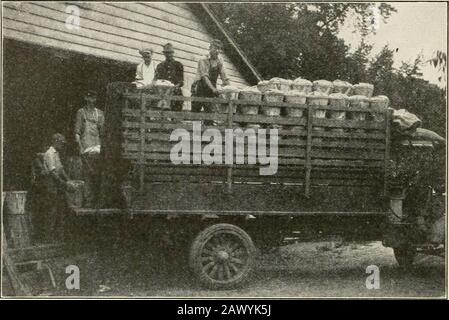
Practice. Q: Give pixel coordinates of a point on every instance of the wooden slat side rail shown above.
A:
(286, 136)
(283, 152)
(142, 144)
(150, 97)
(378, 135)
(282, 161)
(388, 119)
(308, 162)
(230, 167)
(187, 115)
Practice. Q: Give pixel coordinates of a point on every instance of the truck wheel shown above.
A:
(405, 255)
(222, 256)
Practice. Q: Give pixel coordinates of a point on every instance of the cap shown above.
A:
(145, 50)
(168, 48)
(91, 93)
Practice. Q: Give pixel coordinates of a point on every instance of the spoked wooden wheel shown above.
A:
(222, 256)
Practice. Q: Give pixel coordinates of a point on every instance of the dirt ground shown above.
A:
(323, 269)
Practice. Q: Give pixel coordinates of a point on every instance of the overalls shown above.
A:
(204, 91)
(91, 171)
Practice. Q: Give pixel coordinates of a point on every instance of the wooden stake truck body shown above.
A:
(333, 180)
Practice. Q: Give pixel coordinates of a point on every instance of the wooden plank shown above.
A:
(20, 288)
(388, 118)
(148, 17)
(91, 38)
(142, 144)
(357, 140)
(49, 21)
(229, 169)
(120, 26)
(346, 163)
(342, 182)
(31, 36)
(184, 178)
(320, 154)
(348, 124)
(33, 253)
(270, 120)
(308, 163)
(165, 157)
(92, 22)
(330, 134)
(184, 170)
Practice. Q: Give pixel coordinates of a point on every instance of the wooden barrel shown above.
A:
(17, 221)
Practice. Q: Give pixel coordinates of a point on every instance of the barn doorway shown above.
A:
(43, 88)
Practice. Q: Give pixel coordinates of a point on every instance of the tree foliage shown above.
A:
(292, 40)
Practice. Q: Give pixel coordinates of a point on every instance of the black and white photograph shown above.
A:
(224, 150)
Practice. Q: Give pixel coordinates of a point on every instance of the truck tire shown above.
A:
(405, 255)
(222, 256)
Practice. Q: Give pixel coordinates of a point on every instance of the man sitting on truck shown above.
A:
(145, 71)
(173, 71)
(209, 68)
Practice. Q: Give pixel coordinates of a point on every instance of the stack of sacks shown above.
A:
(250, 94)
(338, 100)
(302, 85)
(276, 82)
(319, 99)
(379, 102)
(342, 87)
(163, 88)
(285, 85)
(323, 86)
(266, 85)
(270, 96)
(295, 97)
(227, 93)
(299, 98)
(363, 89)
(360, 102)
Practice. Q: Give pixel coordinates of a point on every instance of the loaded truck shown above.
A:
(348, 179)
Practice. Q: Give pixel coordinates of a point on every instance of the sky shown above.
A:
(414, 28)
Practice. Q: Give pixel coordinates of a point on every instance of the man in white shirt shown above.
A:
(49, 222)
(145, 70)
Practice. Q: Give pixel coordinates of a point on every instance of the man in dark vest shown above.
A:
(209, 69)
(173, 71)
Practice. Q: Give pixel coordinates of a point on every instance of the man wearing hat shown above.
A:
(208, 71)
(49, 222)
(88, 130)
(173, 71)
(145, 70)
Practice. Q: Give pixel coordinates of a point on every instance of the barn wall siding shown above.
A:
(115, 31)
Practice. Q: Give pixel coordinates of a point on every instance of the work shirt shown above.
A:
(145, 73)
(172, 71)
(88, 126)
(206, 63)
(52, 161)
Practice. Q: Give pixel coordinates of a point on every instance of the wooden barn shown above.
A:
(54, 51)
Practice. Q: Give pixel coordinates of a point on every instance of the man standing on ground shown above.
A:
(55, 185)
(88, 131)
